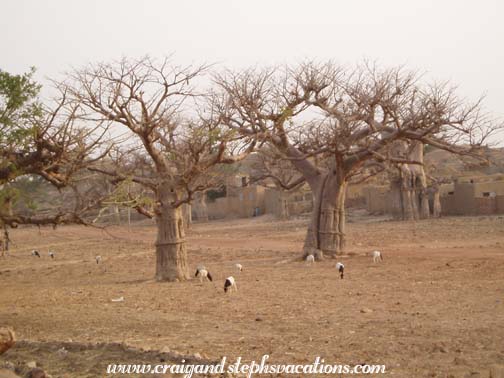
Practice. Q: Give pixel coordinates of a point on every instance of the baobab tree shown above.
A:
(44, 141)
(415, 192)
(182, 142)
(465, 130)
(337, 125)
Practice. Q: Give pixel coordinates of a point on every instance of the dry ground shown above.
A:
(437, 300)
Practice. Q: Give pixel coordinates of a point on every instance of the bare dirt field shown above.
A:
(433, 308)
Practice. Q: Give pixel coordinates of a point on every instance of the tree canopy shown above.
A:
(45, 141)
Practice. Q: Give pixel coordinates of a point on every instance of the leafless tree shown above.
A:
(173, 129)
(336, 125)
(271, 169)
(54, 145)
(465, 131)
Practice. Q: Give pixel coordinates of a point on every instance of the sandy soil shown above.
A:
(433, 308)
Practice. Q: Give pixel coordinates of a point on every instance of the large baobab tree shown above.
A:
(336, 125)
(40, 143)
(169, 125)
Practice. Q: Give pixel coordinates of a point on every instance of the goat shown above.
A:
(51, 254)
(341, 269)
(310, 259)
(377, 256)
(229, 284)
(35, 253)
(239, 267)
(98, 259)
(203, 273)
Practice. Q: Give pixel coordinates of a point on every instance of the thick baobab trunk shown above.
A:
(412, 189)
(409, 190)
(326, 232)
(171, 253)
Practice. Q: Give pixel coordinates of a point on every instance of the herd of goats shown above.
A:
(230, 283)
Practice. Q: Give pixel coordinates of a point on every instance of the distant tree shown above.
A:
(200, 209)
(19, 110)
(170, 126)
(46, 142)
(457, 127)
(336, 125)
(271, 169)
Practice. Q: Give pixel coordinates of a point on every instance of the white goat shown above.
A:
(203, 273)
(229, 284)
(98, 259)
(239, 267)
(341, 269)
(310, 259)
(377, 256)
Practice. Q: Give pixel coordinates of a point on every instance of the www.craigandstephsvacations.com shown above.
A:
(318, 367)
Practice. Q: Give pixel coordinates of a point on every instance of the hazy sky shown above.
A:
(461, 41)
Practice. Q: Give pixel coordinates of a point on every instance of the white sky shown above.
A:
(461, 41)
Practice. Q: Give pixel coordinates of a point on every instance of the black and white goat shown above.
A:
(51, 254)
(35, 253)
(341, 269)
(98, 259)
(203, 273)
(230, 284)
(377, 256)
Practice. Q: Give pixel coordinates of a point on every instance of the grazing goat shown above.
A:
(229, 284)
(35, 253)
(51, 254)
(98, 259)
(310, 259)
(203, 273)
(377, 256)
(341, 269)
(239, 267)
